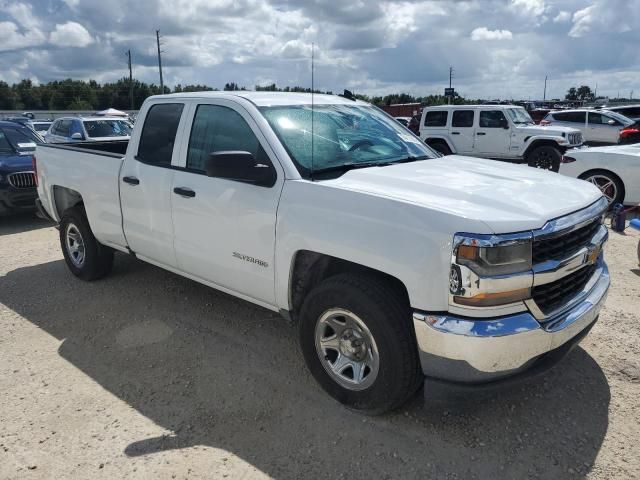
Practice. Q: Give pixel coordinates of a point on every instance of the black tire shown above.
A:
(545, 157)
(615, 193)
(97, 259)
(387, 315)
(441, 147)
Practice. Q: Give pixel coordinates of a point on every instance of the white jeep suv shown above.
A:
(503, 132)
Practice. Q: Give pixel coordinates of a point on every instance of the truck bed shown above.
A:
(92, 169)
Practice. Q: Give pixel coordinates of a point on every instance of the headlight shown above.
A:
(491, 270)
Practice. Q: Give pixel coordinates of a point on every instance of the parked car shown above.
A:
(598, 127)
(503, 132)
(87, 129)
(615, 170)
(41, 126)
(17, 179)
(394, 262)
(629, 111)
(630, 134)
(403, 120)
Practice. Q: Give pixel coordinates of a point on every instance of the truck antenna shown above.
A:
(312, 89)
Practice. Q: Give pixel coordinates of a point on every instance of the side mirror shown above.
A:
(611, 122)
(26, 148)
(77, 136)
(241, 167)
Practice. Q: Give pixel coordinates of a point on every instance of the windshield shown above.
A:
(621, 118)
(344, 136)
(107, 128)
(519, 115)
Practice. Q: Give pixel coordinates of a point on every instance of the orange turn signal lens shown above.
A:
(494, 299)
(468, 252)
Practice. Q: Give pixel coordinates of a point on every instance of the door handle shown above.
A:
(131, 180)
(455, 133)
(184, 192)
(480, 133)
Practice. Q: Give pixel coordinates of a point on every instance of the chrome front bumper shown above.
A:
(471, 350)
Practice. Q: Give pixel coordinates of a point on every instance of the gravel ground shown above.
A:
(149, 375)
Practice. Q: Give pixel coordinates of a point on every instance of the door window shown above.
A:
(492, 119)
(64, 128)
(573, 117)
(159, 133)
(462, 118)
(600, 119)
(217, 129)
(436, 118)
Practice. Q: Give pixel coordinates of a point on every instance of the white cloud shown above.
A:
(70, 34)
(562, 17)
(12, 39)
(483, 33)
(582, 21)
(530, 7)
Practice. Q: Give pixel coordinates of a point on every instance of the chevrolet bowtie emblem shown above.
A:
(593, 254)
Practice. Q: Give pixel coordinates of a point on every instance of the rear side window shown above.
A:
(159, 133)
(435, 118)
(492, 119)
(573, 117)
(217, 129)
(462, 118)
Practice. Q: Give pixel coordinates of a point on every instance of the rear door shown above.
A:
(463, 130)
(145, 184)
(492, 138)
(225, 229)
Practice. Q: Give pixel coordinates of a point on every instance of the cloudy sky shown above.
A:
(498, 48)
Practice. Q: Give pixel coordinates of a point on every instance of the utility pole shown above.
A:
(130, 80)
(159, 61)
(450, 77)
(544, 95)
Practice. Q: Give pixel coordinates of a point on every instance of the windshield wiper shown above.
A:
(355, 165)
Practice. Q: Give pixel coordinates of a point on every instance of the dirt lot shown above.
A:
(148, 375)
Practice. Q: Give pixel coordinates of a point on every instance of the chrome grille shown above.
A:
(562, 246)
(575, 138)
(550, 296)
(22, 180)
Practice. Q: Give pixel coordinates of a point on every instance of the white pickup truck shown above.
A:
(397, 264)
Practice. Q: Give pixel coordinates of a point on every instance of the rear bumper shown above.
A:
(467, 350)
(13, 200)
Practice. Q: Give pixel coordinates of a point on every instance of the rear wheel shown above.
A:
(85, 256)
(545, 157)
(357, 340)
(441, 147)
(608, 183)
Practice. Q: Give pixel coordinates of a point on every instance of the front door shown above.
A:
(493, 135)
(145, 186)
(224, 230)
(600, 130)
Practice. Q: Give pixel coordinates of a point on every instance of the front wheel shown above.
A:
(545, 157)
(85, 256)
(357, 340)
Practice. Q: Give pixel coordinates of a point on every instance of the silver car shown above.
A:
(597, 126)
(87, 129)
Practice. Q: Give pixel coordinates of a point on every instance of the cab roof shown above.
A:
(266, 99)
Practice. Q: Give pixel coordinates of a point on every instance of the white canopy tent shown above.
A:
(112, 112)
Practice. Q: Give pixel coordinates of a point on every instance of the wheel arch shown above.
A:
(309, 269)
(65, 198)
(543, 142)
(432, 140)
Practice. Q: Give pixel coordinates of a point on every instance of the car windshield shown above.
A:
(519, 115)
(107, 128)
(342, 137)
(621, 118)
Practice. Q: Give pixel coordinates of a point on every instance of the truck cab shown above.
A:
(503, 132)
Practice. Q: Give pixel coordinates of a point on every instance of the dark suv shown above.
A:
(17, 178)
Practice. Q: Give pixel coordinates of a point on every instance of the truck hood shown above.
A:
(546, 129)
(505, 197)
